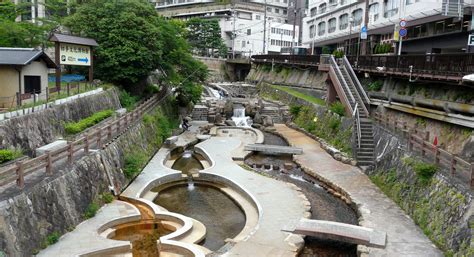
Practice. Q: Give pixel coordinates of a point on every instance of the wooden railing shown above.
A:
(98, 138)
(418, 141)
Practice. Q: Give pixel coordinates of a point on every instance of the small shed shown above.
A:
(23, 72)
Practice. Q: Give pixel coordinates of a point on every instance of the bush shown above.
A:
(338, 53)
(295, 110)
(107, 197)
(53, 238)
(76, 127)
(338, 108)
(425, 171)
(326, 50)
(91, 210)
(127, 100)
(133, 164)
(375, 85)
(7, 155)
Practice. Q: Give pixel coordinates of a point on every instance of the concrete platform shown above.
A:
(404, 237)
(273, 149)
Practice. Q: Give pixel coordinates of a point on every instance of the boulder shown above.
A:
(267, 121)
(230, 123)
(258, 118)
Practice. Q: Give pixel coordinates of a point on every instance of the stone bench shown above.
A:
(50, 147)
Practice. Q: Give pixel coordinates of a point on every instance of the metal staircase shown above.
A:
(355, 99)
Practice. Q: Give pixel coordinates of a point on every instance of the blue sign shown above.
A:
(85, 60)
(363, 35)
(364, 29)
(402, 32)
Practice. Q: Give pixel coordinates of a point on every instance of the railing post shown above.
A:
(68, 89)
(20, 181)
(423, 149)
(109, 131)
(70, 152)
(436, 157)
(453, 164)
(49, 163)
(410, 143)
(472, 174)
(86, 144)
(99, 138)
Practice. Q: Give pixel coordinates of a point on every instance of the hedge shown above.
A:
(76, 127)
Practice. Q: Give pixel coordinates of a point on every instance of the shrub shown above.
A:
(375, 85)
(326, 50)
(127, 100)
(338, 53)
(338, 108)
(53, 238)
(91, 210)
(76, 127)
(7, 155)
(425, 171)
(133, 164)
(295, 110)
(107, 197)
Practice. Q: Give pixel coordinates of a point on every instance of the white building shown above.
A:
(244, 20)
(337, 24)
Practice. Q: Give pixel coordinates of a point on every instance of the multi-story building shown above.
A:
(433, 26)
(244, 28)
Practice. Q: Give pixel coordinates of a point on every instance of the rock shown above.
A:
(267, 121)
(257, 118)
(288, 166)
(230, 123)
(218, 118)
(120, 112)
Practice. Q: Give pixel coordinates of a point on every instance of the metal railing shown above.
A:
(342, 81)
(290, 59)
(356, 117)
(98, 137)
(359, 88)
(418, 142)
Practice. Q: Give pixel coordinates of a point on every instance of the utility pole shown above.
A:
(264, 26)
(233, 33)
(294, 26)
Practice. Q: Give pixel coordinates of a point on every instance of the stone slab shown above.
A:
(50, 147)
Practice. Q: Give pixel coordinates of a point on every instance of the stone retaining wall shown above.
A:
(58, 203)
(33, 130)
(441, 207)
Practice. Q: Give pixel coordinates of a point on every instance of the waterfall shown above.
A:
(239, 117)
(190, 183)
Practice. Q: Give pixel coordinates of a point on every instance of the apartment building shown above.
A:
(243, 26)
(433, 26)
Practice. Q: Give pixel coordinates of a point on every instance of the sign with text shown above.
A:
(71, 54)
(470, 41)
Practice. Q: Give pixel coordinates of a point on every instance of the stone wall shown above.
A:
(57, 203)
(216, 67)
(30, 131)
(441, 207)
(287, 75)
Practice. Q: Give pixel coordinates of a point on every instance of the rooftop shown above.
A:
(73, 40)
(23, 56)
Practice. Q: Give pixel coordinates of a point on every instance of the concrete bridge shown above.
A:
(273, 149)
(338, 232)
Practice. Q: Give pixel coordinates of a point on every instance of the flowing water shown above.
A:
(217, 211)
(324, 206)
(188, 162)
(239, 117)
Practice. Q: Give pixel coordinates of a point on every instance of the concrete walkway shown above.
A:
(404, 237)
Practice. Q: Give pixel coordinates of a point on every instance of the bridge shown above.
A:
(273, 149)
(339, 232)
(449, 68)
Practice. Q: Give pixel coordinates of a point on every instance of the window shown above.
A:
(373, 12)
(343, 2)
(278, 20)
(332, 25)
(243, 43)
(311, 31)
(257, 17)
(321, 28)
(412, 1)
(32, 84)
(332, 2)
(390, 8)
(285, 12)
(322, 8)
(26, 13)
(249, 31)
(313, 11)
(277, 10)
(269, 9)
(343, 21)
(285, 1)
(357, 17)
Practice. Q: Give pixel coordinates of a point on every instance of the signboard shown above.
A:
(403, 32)
(363, 33)
(403, 23)
(470, 41)
(396, 30)
(72, 54)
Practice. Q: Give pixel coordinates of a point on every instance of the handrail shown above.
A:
(354, 78)
(340, 77)
(355, 115)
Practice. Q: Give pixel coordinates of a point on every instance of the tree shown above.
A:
(204, 36)
(134, 41)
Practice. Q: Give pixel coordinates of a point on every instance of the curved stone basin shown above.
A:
(208, 204)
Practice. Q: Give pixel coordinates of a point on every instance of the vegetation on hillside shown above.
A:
(204, 36)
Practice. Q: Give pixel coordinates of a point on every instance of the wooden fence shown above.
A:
(98, 137)
(418, 141)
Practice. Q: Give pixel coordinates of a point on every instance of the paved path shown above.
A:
(379, 212)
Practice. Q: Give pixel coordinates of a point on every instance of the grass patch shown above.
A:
(134, 163)
(53, 238)
(76, 127)
(424, 171)
(375, 85)
(338, 108)
(300, 95)
(91, 210)
(127, 100)
(107, 197)
(7, 155)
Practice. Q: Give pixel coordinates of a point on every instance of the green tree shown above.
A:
(134, 41)
(204, 36)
